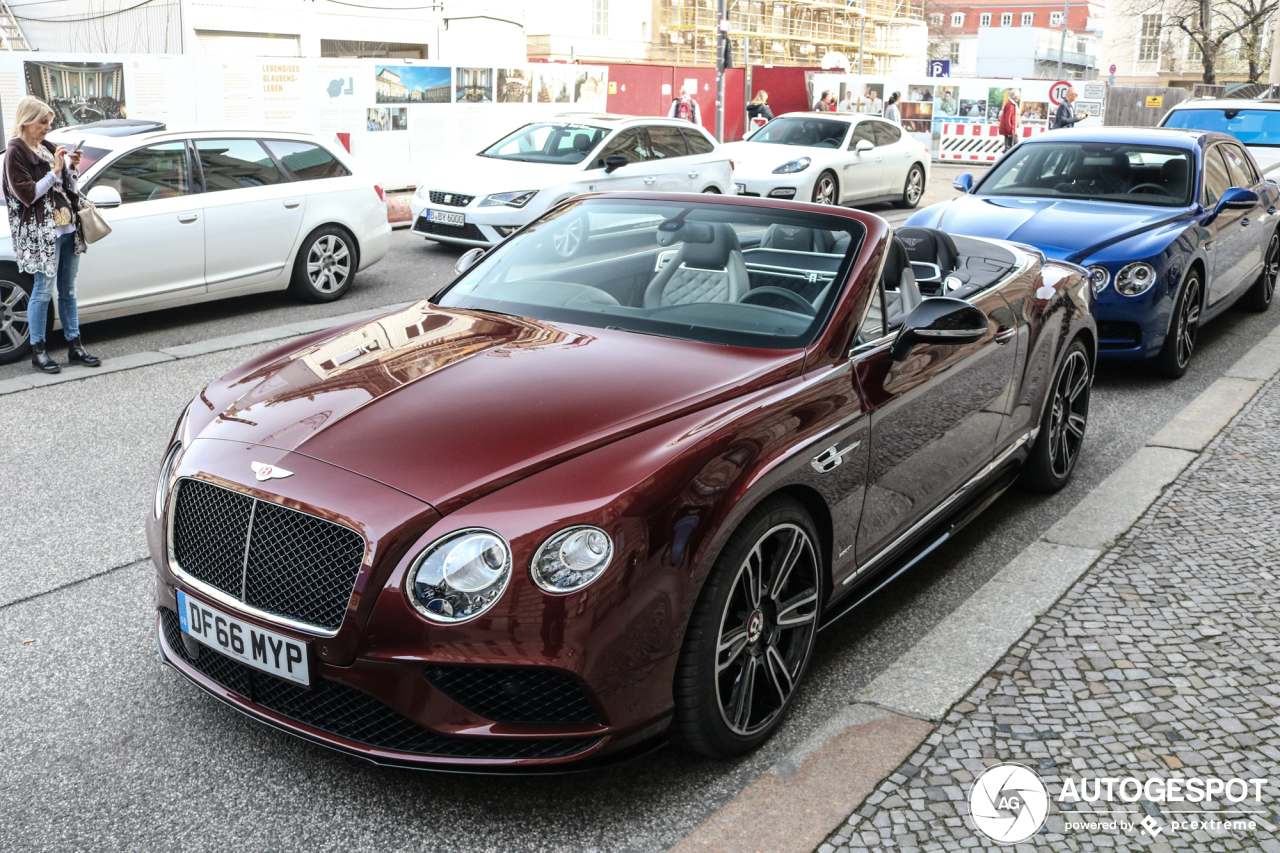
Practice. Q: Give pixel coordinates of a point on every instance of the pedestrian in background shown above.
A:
(40, 187)
(759, 106)
(1066, 113)
(891, 111)
(686, 106)
(820, 105)
(1010, 118)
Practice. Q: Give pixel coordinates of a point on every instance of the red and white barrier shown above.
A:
(977, 143)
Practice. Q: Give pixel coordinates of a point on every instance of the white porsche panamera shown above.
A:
(831, 158)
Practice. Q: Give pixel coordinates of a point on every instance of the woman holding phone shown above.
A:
(40, 186)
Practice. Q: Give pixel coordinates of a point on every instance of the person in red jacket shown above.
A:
(1010, 119)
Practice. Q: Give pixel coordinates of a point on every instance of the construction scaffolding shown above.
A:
(789, 32)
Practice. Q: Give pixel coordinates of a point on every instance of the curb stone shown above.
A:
(951, 659)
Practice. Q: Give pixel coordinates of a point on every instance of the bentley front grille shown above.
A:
(272, 558)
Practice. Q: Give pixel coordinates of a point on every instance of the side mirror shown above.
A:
(939, 320)
(1237, 198)
(468, 260)
(863, 145)
(614, 162)
(104, 196)
(964, 183)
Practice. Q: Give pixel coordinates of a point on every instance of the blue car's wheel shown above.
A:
(1180, 342)
(1259, 296)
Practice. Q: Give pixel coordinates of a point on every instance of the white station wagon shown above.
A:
(478, 200)
(201, 214)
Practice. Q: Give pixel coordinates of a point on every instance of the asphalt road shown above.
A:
(106, 749)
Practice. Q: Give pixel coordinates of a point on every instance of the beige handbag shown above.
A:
(91, 221)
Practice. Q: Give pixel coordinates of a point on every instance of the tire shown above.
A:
(1180, 343)
(912, 189)
(714, 715)
(1258, 297)
(826, 189)
(712, 190)
(325, 266)
(15, 299)
(1062, 427)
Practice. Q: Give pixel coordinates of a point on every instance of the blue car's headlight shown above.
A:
(798, 165)
(1098, 278)
(1135, 279)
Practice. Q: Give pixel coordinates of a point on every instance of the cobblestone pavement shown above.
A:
(1162, 661)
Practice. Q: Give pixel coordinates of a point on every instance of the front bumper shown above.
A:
(481, 226)
(1134, 328)
(797, 186)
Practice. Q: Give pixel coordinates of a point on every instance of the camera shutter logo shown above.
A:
(1008, 803)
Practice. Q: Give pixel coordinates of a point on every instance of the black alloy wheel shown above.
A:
(1057, 449)
(752, 633)
(325, 265)
(913, 190)
(1259, 296)
(1180, 343)
(825, 189)
(15, 330)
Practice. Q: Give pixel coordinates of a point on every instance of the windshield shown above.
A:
(1252, 127)
(717, 273)
(548, 143)
(813, 132)
(1132, 174)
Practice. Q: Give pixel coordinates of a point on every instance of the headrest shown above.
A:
(581, 142)
(713, 254)
(797, 238)
(1120, 162)
(930, 246)
(1174, 171)
(894, 263)
(1081, 171)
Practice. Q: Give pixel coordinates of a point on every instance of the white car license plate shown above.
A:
(268, 651)
(444, 217)
(741, 188)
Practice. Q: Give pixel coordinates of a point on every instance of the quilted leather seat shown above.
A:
(708, 267)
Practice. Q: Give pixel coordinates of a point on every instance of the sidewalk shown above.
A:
(1162, 661)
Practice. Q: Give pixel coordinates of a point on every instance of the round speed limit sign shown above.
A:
(1058, 92)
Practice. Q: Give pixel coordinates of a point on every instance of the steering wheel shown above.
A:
(804, 306)
(1150, 187)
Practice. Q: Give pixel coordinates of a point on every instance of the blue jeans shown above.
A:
(65, 279)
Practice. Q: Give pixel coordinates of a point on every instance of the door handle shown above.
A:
(1005, 334)
(187, 217)
(291, 203)
(1244, 222)
(1271, 209)
(650, 180)
(693, 174)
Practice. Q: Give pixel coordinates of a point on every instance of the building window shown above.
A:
(984, 20)
(599, 17)
(935, 20)
(1082, 46)
(1006, 19)
(1149, 39)
(955, 54)
(957, 20)
(1028, 19)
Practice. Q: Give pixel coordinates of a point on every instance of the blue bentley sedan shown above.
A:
(1174, 226)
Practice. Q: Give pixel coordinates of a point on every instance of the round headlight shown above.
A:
(460, 576)
(1135, 279)
(165, 483)
(571, 559)
(1098, 278)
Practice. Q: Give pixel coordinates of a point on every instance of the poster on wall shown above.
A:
(338, 95)
(514, 86)
(412, 84)
(379, 119)
(590, 87)
(284, 95)
(159, 88)
(474, 86)
(78, 92)
(554, 85)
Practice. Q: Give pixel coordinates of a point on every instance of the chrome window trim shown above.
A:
(231, 601)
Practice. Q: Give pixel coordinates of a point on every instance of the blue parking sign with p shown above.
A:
(939, 67)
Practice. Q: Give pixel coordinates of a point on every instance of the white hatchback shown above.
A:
(831, 158)
(201, 214)
(479, 200)
(1256, 123)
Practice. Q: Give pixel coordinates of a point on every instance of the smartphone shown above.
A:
(79, 145)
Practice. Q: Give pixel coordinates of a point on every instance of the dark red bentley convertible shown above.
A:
(605, 487)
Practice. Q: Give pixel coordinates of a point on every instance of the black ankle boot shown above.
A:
(77, 355)
(40, 360)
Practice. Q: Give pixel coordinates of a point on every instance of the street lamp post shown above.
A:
(722, 23)
(1062, 43)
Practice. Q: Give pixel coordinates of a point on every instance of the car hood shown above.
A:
(448, 404)
(1065, 229)
(481, 176)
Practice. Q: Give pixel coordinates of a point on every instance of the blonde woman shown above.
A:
(759, 106)
(40, 187)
